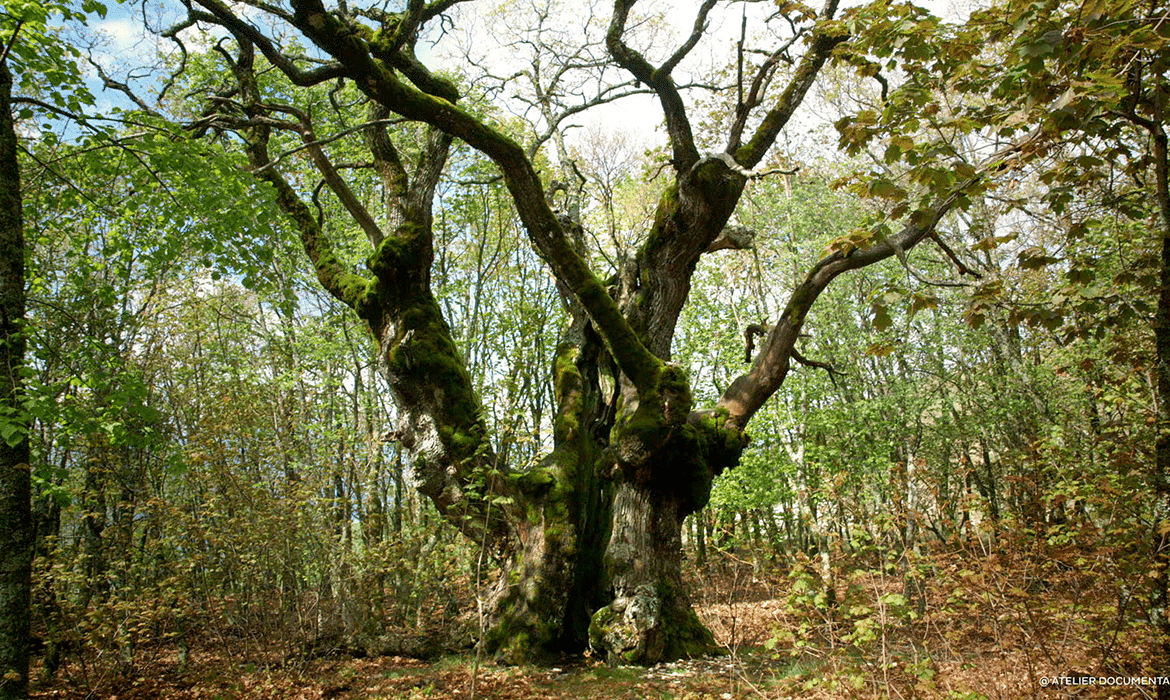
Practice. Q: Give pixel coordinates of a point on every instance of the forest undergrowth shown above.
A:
(1031, 617)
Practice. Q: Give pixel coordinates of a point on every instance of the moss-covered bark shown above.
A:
(663, 458)
(689, 216)
(650, 618)
(544, 602)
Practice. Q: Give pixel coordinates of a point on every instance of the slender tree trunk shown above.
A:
(46, 604)
(1161, 548)
(1162, 447)
(16, 527)
(93, 559)
(700, 528)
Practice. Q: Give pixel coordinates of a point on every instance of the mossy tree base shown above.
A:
(646, 629)
(528, 603)
(650, 619)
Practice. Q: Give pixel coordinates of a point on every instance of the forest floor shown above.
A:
(993, 638)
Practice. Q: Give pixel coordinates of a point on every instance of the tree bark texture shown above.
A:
(16, 527)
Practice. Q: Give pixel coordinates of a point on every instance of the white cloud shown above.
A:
(123, 33)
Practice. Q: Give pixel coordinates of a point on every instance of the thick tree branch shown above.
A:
(748, 392)
(733, 238)
(441, 419)
(777, 118)
(692, 41)
(388, 164)
(346, 286)
(425, 179)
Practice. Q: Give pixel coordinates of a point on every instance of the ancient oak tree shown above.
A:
(588, 541)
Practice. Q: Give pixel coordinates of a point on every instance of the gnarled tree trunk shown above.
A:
(589, 542)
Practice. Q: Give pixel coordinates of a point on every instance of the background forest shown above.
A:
(955, 493)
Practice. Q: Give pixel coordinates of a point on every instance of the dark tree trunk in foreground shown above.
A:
(16, 532)
(1162, 447)
(590, 541)
(1155, 126)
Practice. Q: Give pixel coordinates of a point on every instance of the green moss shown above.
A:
(721, 445)
(400, 265)
(380, 40)
(423, 357)
(678, 634)
(354, 291)
(714, 178)
(460, 441)
(655, 445)
(689, 638)
(351, 289)
(667, 207)
(645, 426)
(525, 630)
(569, 387)
(624, 344)
(664, 215)
(673, 386)
(394, 251)
(536, 482)
(601, 627)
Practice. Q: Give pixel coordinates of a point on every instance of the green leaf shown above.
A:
(1034, 258)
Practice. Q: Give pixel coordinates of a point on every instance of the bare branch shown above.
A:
(326, 141)
(125, 89)
(682, 140)
(758, 88)
(963, 269)
(609, 94)
(692, 41)
(828, 367)
(777, 118)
